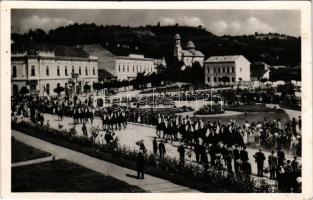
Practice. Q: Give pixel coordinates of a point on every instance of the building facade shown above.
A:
(42, 71)
(189, 55)
(127, 67)
(228, 70)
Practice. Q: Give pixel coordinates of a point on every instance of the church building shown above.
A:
(189, 55)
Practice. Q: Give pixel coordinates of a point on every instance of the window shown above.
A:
(93, 71)
(123, 68)
(73, 70)
(119, 68)
(209, 80)
(223, 69)
(233, 69)
(219, 70)
(214, 70)
(127, 68)
(133, 68)
(86, 71)
(232, 79)
(14, 71)
(227, 70)
(58, 85)
(47, 71)
(65, 71)
(32, 71)
(214, 79)
(208, 70)
(58, 70)
(80, 70)
(240, 69)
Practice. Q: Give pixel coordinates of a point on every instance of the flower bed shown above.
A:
(210, 110)
(190, 175)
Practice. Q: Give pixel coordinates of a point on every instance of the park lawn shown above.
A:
(251, 108)
(251, 117)
(23, 152)
(64, 176)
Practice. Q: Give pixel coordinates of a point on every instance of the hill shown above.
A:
(157, 41)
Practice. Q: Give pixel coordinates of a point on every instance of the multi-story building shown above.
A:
(229, 70)
(127, 67)
(189, 55)
(42, 68)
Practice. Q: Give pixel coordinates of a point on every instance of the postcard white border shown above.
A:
(306, 48)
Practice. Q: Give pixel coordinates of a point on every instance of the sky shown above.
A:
(219, 22)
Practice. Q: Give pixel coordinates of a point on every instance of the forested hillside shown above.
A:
(157, 41)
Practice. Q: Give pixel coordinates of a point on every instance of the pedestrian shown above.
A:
(237, 160)
(181, 151)
(244, 154)
(228, 159)
(281, 156)
(155, 145)
(84, 129)
(140, 165)
(246, 169)
(273, 165)
(162, 150)
(259, 159)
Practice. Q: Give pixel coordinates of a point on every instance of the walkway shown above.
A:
(150, 183)
(30, 162)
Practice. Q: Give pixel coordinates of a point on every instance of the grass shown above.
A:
(23, 152)
(250, 117)
(64, 176)
(251, 108)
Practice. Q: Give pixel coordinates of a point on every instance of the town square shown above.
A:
(161, 106)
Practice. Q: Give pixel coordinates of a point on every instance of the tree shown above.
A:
(24, 90)
(97, 86)
(87, 88)
(58, 90)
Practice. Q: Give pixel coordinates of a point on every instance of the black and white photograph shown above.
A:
(157, 100)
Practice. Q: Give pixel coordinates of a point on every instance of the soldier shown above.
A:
(259, 159)
(273, 165)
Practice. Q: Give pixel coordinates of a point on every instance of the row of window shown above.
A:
(219, 70)
(219, 79)
(123, 68)
(33, 71)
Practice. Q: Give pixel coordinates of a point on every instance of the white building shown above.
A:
(127, 67)
(189, 55)
(236, 68)
(41, 68)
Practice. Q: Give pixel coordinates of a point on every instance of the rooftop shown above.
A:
(228, 58)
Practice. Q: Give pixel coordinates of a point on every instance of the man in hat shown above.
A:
(236, 154)
(281, 156)
(259, 159)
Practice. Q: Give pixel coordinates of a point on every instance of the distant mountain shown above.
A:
(157, 41)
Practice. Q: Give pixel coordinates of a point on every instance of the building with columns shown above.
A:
(42, 68)
(189, 55)
(228, 70)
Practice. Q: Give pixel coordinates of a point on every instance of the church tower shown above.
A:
(177, 48)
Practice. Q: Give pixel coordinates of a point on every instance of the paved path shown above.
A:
(150, 183)
(34, 161)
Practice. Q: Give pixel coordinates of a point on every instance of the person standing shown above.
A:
(228, 159)
(162, 150)
(281, 157)
(155, 145)
(244, 155)
(273, 165)
(140, 165)
(237, 161)
(259, 159)
(84, 129)
(181, 151)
